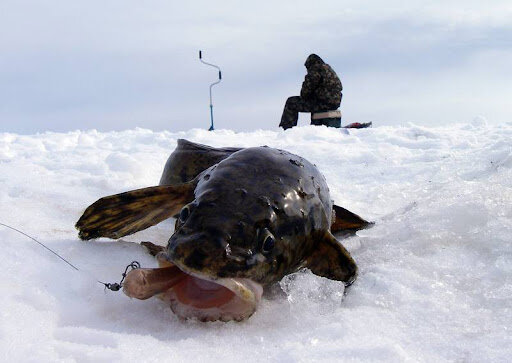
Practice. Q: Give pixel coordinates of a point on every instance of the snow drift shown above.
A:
(435, 280)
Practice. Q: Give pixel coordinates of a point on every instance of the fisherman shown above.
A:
(320, 92)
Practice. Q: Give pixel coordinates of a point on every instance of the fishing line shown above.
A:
(113, 286)
(41, 244)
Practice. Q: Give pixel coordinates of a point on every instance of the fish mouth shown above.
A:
(192, 295)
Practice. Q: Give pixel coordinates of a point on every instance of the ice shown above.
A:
(434, 281)
(305, 291)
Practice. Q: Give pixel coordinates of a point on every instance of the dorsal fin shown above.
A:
(122, 214)
(189, 159)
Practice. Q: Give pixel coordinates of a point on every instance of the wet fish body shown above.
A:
(245, 218)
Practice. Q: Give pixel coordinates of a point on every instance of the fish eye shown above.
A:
(184, 213)
(268, 242)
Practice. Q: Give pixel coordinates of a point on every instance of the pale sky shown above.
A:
(113, 65)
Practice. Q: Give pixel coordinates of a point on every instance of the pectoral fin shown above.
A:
(347, 221)
(122, 214)
(330, 259)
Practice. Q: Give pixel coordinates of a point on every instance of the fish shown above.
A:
(245, 218)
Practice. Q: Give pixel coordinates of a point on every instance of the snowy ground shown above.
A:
(435, 279)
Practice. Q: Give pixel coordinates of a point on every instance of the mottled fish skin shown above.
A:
(248, 197)
(189, 159)
(245, 218)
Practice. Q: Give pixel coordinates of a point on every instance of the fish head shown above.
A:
(227, 236)
(216, 238)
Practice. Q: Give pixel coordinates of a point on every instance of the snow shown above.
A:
(435, 279)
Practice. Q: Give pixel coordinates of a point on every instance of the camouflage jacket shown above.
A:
(321, 84)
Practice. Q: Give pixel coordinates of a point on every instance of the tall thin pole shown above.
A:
(213, 84)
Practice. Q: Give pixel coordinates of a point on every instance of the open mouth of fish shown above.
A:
(192, 295)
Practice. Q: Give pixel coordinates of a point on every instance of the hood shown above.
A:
(312, 60)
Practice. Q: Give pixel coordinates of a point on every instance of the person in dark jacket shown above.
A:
(320, 92)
